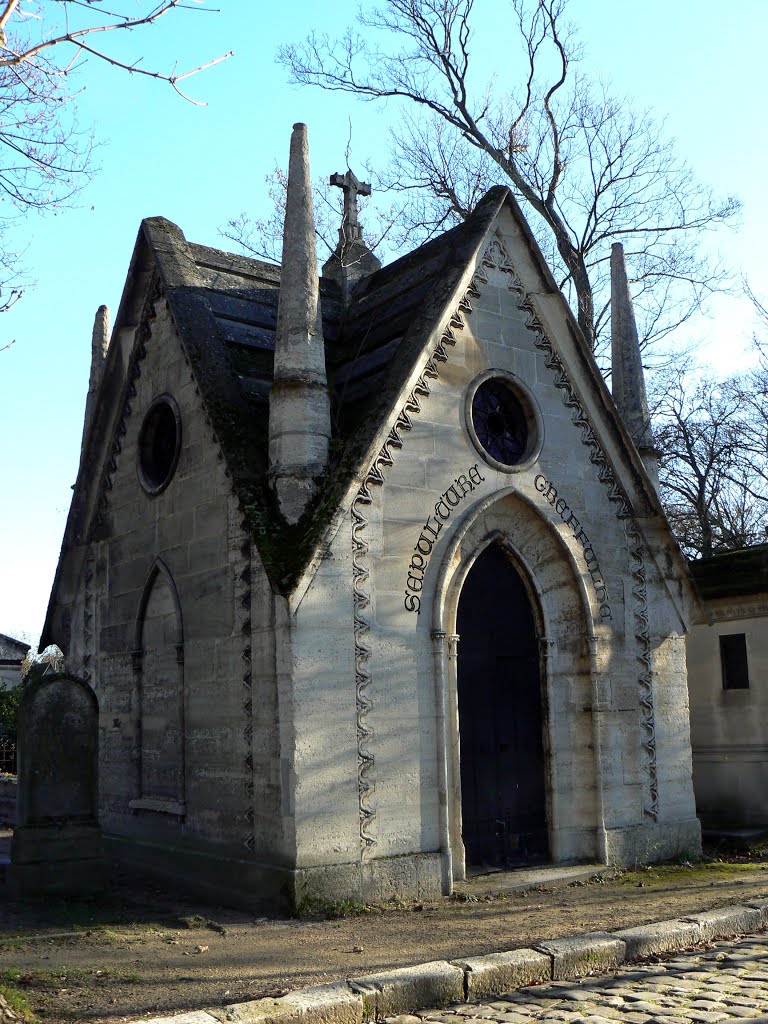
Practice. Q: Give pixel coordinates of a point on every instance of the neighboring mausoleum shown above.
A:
(12, 654)
(728, 683)
(369, 570)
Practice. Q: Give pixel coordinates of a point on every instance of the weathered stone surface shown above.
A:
(727, 981)
(499, 972)
(57, 845)
(197, 1017)
(762, 906)
(662, 937)
(299, 407)
(392, 992)
(58, 751)
(577, 955)
(259, 690)
(717, 924)
(321, 1004)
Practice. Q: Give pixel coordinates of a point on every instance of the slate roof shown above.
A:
(12, 649)
(392, 309)
(225, 309)
(740, 573)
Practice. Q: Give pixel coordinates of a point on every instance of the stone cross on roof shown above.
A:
(352, 187)
(351, 260)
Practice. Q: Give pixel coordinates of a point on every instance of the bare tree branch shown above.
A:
(46, 158)
(714, 463)
(588, 167)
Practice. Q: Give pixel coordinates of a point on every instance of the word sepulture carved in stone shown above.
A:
(463, 485)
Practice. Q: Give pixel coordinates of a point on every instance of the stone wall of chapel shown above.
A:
(232, 776)
(395, 660)
(670, 692)
(319, 686)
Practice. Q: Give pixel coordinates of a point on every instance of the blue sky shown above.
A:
(697, 63)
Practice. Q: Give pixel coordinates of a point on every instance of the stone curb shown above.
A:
(439, 983)
(496, 973)
(577, 955)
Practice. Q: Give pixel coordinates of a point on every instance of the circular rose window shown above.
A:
(159, 444)
(503, 420)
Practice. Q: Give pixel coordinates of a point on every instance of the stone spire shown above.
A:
(351, 260)
(99, 346)
(299, 408)
(627, 379)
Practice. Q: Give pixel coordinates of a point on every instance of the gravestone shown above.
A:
(57, 846)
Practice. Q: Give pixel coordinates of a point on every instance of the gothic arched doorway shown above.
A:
(503, 797)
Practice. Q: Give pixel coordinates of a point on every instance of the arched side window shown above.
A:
(160, 703)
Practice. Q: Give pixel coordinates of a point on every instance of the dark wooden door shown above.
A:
(500, 717)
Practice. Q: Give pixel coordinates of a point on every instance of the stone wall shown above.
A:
(310, 745)
(173, 629)
(618, 784)
(729, 727)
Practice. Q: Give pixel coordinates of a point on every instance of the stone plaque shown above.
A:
(58, 751)
(57, 845)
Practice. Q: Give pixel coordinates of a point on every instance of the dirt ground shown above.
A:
(145, 951)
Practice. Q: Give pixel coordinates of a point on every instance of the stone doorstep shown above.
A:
(439, 983)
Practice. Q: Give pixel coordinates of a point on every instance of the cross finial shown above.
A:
(351, 260)
(352, 187)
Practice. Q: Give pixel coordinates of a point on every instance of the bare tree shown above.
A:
(588, 168)
(714, 465)
(45, 155)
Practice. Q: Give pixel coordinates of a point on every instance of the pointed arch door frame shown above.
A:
(503, 758)
(495, 520)
(144, 800)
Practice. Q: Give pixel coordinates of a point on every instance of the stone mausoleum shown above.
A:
(727, 674)
(368, 569)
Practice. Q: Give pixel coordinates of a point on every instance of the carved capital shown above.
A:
(438, 640)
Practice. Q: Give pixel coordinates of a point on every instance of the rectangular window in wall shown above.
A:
(733, 661)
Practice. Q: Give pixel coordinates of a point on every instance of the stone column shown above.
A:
(299, 407)
(99, 346)
(627, 377)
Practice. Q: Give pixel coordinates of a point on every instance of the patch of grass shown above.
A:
(12, 945)
(48, 980)
(313, 906)
(198, 921)
(17, 943)
(18, 1003)
(192, 921)
(704, 871)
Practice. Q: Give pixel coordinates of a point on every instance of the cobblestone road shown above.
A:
(727, 981)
